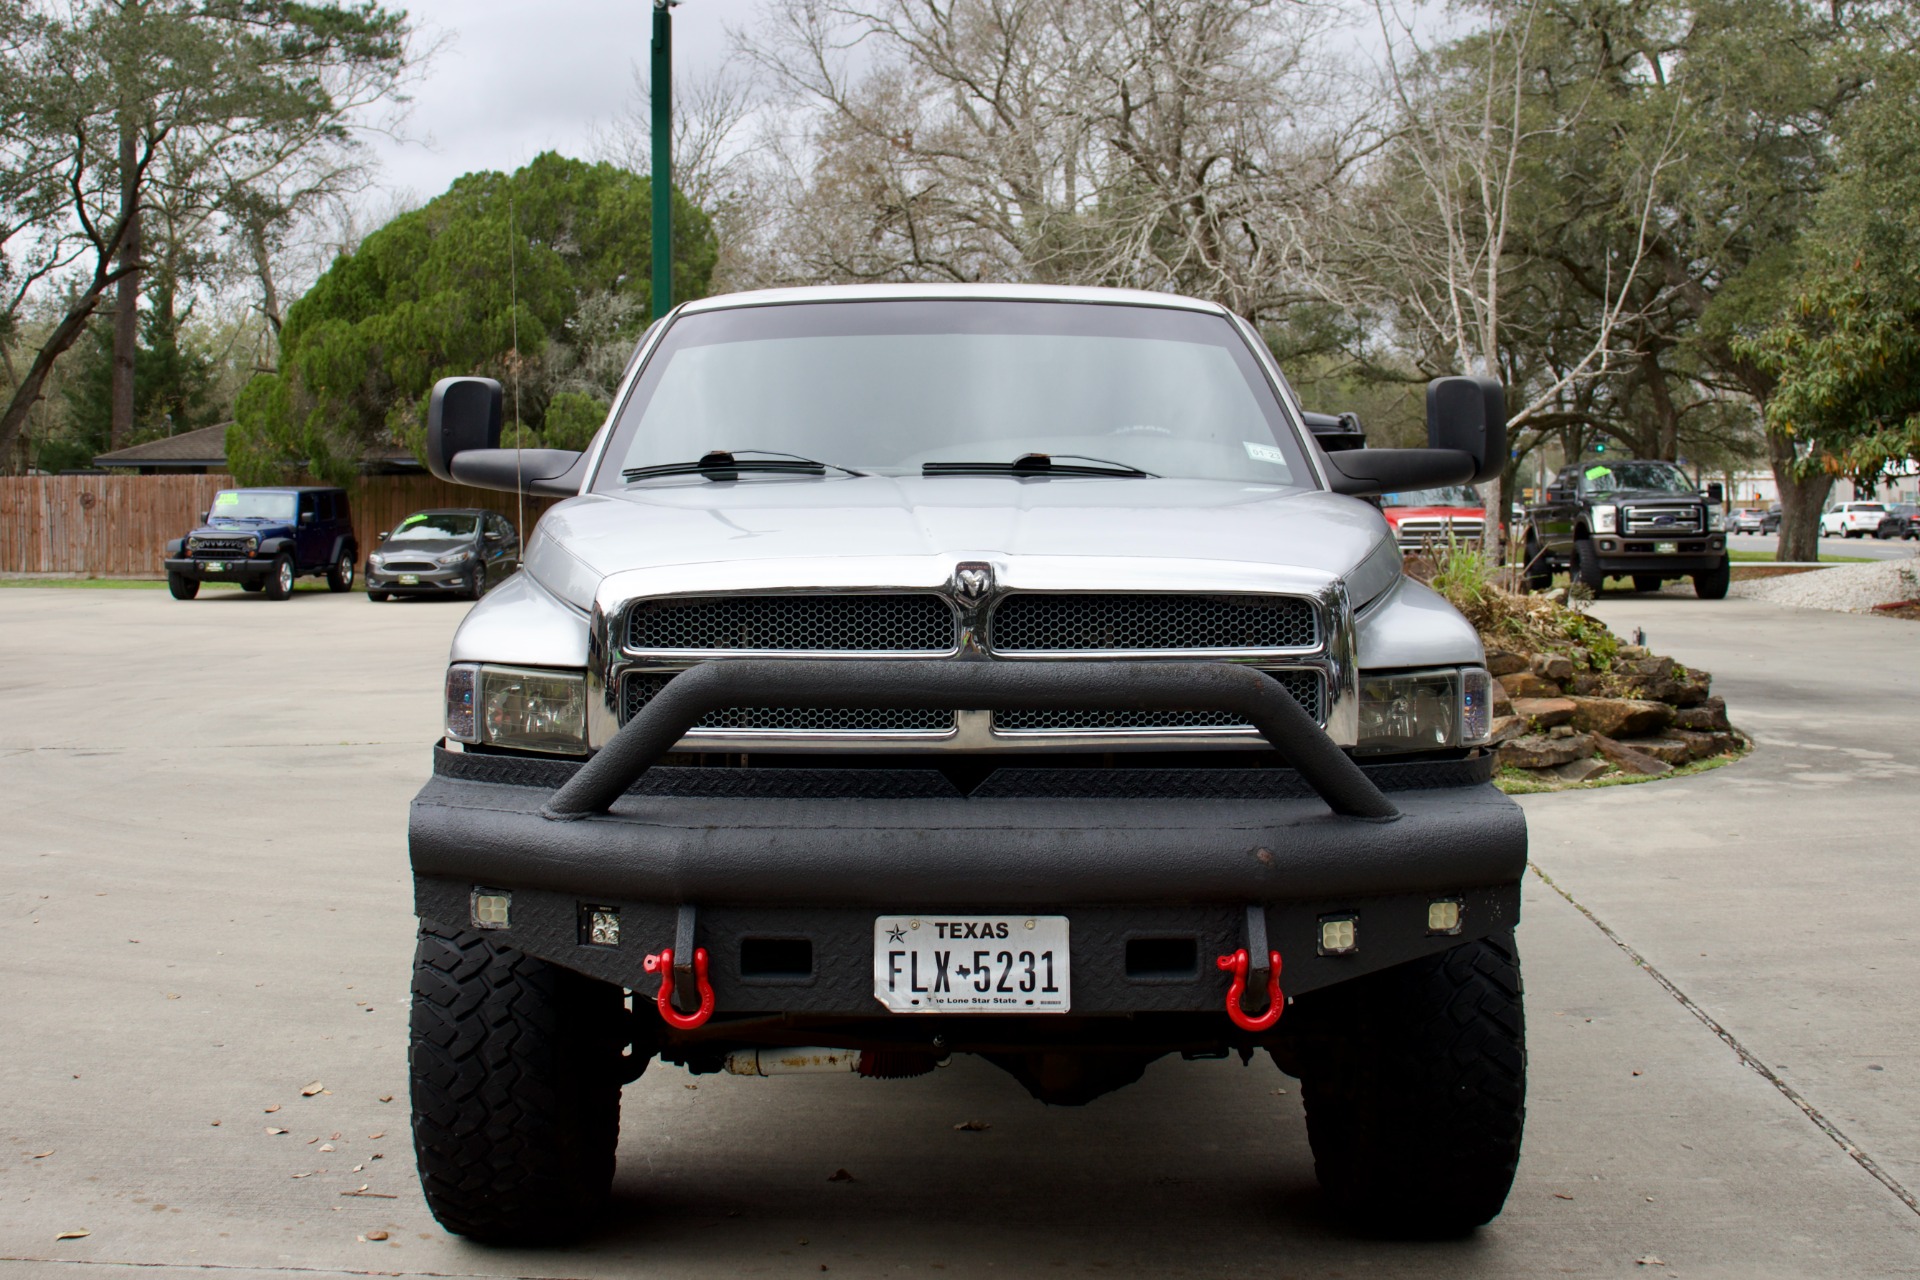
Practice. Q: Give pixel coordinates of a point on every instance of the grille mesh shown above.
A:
(1045, 623)
(901, 623)
(638, 690)
(1303, 686)
(218, 546)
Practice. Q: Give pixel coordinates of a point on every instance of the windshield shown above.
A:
(1648, 477)
(248, 504)
(888, 387)
(1447, 495)
(429, 526)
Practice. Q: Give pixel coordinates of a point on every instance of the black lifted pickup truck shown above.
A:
(1629, 519)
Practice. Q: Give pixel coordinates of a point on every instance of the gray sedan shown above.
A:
(445, 552)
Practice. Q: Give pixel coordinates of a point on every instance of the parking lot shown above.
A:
(207, 928)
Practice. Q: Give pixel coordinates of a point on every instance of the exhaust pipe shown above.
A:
(792, 1062)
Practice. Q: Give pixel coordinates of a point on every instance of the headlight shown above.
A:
(375, 559)
(1716, 521)
(1425, 710)
(1606, 519)
(253, 545)
(528, 709)
(454, 557)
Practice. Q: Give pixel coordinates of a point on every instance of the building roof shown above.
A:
(207, 448)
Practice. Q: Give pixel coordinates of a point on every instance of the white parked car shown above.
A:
(1852, 520)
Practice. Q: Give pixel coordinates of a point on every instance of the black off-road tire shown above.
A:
(340, 573)
(1586, 566)
(182, 587)
(516, 1070)
(1539, 570)
(1712, 585)
(280, 577)
(1645, 582)
(1415, 1082)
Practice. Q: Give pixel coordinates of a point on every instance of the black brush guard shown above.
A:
(820, 867)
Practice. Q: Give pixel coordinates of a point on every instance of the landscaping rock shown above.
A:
(1578, 770)
(1630, 760)
(1507, 728)
(1708, 717)
(1701, 746)
(1665, 680)
(1671, 750)
(1544, 713)
(1587, 684)
(1560, 731)
(1556, 667)
(1503, 662)
(1620, 717)
(1527, 684)
(1539, 751)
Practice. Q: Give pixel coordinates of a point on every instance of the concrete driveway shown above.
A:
(204, 912)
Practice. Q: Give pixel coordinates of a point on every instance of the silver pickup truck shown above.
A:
(922, 670)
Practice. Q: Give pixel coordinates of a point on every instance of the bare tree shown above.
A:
(1163, 144)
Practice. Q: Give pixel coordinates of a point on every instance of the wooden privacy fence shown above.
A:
(118, 526)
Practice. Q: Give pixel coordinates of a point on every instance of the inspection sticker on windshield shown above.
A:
(1263, 452)
(971, 964)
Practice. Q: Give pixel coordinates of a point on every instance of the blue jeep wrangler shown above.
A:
(265, 538)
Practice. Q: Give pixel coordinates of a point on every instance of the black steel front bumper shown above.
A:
(1206, 856)
(1698, 553)
(234, 569)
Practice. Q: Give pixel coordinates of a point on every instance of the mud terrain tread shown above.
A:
(1415, 1091)
(516, 1089)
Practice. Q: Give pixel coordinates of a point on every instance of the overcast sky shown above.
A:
(515, 79)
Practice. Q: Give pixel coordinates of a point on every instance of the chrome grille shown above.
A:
(1662, 520)
(638, 689)
(1303, 686)
(1438, 529)
(1050, 623)
(897, 623)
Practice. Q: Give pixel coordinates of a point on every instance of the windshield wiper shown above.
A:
(1038, 464)
(722, 464)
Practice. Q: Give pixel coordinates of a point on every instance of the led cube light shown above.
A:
(1339, 935)
(599, 926)
(490, 908)
(1443, 916)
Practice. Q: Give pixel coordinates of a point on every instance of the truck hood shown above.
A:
(883, 523)
(1618, 496)
(243, 528)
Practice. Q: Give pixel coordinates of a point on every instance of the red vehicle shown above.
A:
(1429, 517)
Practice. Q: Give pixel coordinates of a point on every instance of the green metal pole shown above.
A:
(662, 158)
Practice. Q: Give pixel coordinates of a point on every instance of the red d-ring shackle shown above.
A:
(1236, 964)
(674, 1018)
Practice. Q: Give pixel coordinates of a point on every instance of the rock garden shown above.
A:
(1573, 704)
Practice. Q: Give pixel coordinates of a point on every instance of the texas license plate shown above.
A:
(1665, 548)
(971, 964)
(409, 579)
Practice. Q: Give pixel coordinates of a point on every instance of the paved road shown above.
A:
(1859, 548)
(203, 909)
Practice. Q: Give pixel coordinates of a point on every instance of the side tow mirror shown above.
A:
(1715, 494)
(1470, 415)
(203, 517)
(1466, 439)
(462, 414)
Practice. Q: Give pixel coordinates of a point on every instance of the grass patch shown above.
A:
(137, 584)
(1518, 782)
(91, 584)
(1767, 557)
